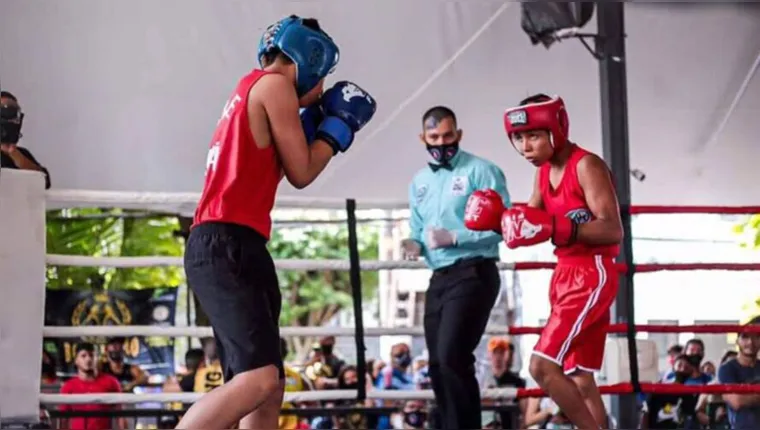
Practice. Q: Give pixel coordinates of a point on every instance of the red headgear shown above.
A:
(549, 115)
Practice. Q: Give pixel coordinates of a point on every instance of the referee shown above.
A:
(465, 280)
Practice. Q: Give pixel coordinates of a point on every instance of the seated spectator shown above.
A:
(708, 368)
(672, 411)
(694, 352)
(395, 376)
(293, 382)
(712, 405)
(89, 381)
(127, 374)
(209, 374)
(13, 156)
(544, 413)
(413, 416)
(743, 409)
(194, 358)
(348, 379)
(49, 371)
(500, 354)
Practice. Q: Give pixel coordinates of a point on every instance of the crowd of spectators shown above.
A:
(707, 411)
(323, 369)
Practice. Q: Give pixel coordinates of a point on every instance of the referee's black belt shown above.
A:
(463, 263)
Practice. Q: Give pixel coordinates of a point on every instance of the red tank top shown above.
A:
(568, 200)
(241, 179)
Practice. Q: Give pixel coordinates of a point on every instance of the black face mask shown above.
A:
(327, 349)
(442, 154)
(116, 356)
(11, 119)
(695, 360)
(415, 419)
(351, 386)
(403, 360)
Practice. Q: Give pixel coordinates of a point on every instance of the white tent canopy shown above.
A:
(123, 95)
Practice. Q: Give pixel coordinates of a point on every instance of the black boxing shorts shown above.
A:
(229, 269)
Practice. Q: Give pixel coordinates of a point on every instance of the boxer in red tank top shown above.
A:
(277, 123)
(574, 205)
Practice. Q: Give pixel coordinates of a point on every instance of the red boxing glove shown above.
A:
(526, 226)
(483, 211)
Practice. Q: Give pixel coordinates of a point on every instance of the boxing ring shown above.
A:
(18, 194)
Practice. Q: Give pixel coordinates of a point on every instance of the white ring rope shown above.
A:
(170, 331)
(290, 264)
(186, 202)
(294, 396)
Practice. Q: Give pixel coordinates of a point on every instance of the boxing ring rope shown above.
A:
(76, 198)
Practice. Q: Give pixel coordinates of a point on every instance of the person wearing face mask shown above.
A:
(13, 156)
(89, 381)
(395, 376)
(114, 365)
(672, 411)
(465, 280)
(693, 352)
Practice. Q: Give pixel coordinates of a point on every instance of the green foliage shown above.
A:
(750, 230)
(312, 298)
(91, 232)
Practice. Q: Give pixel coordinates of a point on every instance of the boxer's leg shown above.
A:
(587, 356)
(577, 291)
(267, 415)
(219, 262)
(467, 304)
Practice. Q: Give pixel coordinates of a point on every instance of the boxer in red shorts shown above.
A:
(574, 205)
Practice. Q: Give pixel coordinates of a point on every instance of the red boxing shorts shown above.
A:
(581, 292)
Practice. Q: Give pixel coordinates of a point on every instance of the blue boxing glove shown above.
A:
(311, 117)
(347, 109)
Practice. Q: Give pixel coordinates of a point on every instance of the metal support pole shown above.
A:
(356, 291)
(614, 105)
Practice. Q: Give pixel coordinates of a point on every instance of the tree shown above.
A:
(98, 232)
(312, 298)
(750, 232)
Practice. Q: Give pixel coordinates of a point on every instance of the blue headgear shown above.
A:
(313, 52)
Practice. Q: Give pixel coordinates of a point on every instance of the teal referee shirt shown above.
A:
(437, 200)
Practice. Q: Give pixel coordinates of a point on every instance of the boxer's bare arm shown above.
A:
(302, 163)
(535, 197)
(596, 181)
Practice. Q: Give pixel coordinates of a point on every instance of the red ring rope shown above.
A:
(651, 209)
(622, 328)
(648, 268)
(648, 387)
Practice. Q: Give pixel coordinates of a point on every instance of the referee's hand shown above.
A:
(410, 249)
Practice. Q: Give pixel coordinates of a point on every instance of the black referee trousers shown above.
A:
(458, 304)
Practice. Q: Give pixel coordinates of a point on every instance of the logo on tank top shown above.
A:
(579, 216)
(212, 158)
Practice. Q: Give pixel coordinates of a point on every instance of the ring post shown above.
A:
(356, 291)
(614, 103)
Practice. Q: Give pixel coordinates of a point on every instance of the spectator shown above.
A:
(12, 155)
(49, 370)
(89, 381)
(323, 367)
(414, 416)
(672, 411)
(194, 358)
(544, 413)
(209, 374)
(395, 376)
(713, 405)
(743, 409)
(327, 346)
(708, 368)
(673, 352)
(421, 373)
(376, 370)
(501, 353)
(348, 379)
(114, 365)
(694, 351)
(293, 382)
